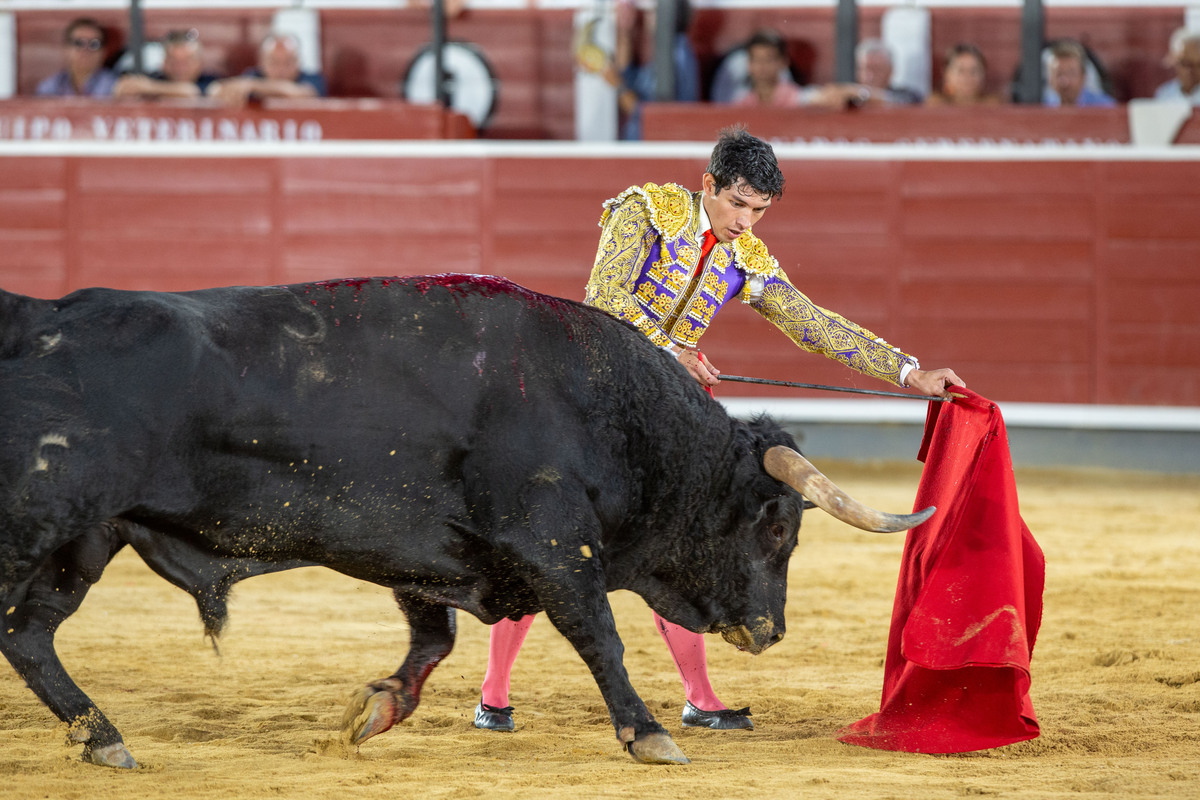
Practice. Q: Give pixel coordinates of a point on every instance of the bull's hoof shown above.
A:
(110, 755)
(371, 711)
(657, 748)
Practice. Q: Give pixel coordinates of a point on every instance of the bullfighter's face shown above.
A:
(732, 211)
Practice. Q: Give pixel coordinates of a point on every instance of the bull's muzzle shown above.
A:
(753, 639)
(787, 466)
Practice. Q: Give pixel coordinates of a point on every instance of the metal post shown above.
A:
(441, 89)
(1033, 36)
(137, 33)
(664, 51)
(847, 39)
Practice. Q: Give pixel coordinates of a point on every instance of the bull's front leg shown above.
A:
(579, 609)
(27, 627)
(381, 704)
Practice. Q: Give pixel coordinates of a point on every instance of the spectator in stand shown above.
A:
(873, 67)
(1066, 78)
(83, 74)
(278, 74)
(770, 82)
(635, 77)
(182, 74)
(1184, 58)
(771, 85)
(964, 79)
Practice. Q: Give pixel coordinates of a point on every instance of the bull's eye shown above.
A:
(777, 531)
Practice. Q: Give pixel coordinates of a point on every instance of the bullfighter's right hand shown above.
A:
(700, 368)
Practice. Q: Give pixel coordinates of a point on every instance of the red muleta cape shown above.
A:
(968, 601)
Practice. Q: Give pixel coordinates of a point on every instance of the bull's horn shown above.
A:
(787, 466)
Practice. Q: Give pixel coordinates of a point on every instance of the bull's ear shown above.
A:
(809, 504)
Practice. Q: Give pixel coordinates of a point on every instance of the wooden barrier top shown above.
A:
(61, 119)
(1003, 124)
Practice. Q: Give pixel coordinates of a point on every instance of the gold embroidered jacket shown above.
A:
(645, 273)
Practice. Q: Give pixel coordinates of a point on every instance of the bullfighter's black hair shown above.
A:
(739, 156)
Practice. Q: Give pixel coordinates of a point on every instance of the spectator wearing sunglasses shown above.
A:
(83, 73)
(182, 73)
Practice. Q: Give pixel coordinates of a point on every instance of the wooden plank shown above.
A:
(997, 178)
(181, 262)
(983, 298)
(31, 173)
(313, 255)
(1150, 385)
(1170, 306)
(174, 176)
(1014, 260)
(33, 262)
(137, 216)
(1156, 217)
(24, 209)
(999, 341)
(368, 213)
(1160, 342)
(1148, 260)
(1014, 218)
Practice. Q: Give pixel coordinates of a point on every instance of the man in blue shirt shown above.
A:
(278, 74)
(182, 74)
(84, 49)
(1066, 78)
(1184, 58)
(637, 80)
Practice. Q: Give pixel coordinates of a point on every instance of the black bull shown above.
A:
(459, 439)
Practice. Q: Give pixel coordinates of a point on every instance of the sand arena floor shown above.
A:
(1116, 681)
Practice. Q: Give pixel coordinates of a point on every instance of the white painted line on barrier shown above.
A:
(475, 148)
(1066, 416)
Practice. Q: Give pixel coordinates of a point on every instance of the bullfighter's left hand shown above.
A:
(934, 382)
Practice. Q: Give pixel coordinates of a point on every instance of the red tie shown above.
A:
(706, 247)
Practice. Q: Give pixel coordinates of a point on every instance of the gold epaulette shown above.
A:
(752, 256)
(670, 207)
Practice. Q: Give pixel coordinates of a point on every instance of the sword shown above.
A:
(795, 385)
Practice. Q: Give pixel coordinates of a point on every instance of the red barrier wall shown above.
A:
(1057, 281)
(1003, 124)
(273, 120)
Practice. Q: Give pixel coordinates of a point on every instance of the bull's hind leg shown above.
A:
(27, 640)
(384, 703)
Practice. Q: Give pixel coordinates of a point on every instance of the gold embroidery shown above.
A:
(676, 280)
(624, 242)
(720, 259)
(659, 269)
(701, 310)
(670, 208)
(752, 255)
(714, 285)
(662, 304)
(687, 255)
(820, 331)
(646, 292)
(685, 334)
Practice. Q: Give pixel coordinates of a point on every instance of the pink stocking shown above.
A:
(687, 649)
(504, 642)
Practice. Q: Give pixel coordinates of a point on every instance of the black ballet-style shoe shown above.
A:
(726, 719)
(490, 718)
